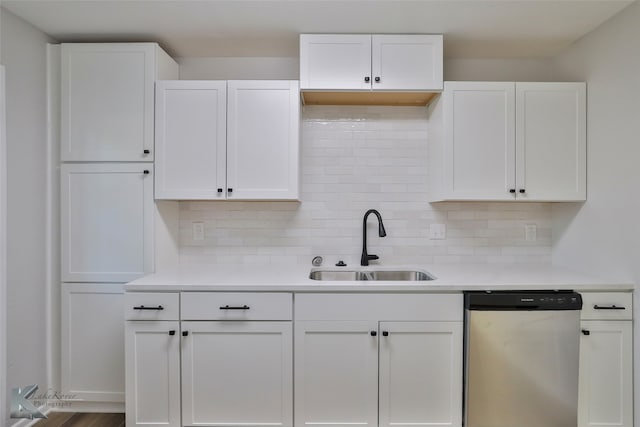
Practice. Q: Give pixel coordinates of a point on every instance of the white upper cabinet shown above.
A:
(551, 142)
(509, 141)
(401, 62)
(227, 140)
(107, 217)
(335, 61)
(364, 69)
(191, 139)
(107, 92)
(262, 140)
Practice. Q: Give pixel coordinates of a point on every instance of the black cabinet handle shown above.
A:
(385, 333)
(367, 79)
(230, 307)
(374, 333)
(522, 191)
(586, 332)
(185, 333)
(608, 307)
(230, 190)
(172, 332)
(146, 172)
(219, 190)
(512, 190)
(146, 151)
(142, 307)
(377, 79)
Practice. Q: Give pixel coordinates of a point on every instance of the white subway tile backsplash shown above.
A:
(354, 159)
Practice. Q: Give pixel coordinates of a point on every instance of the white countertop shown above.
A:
(287, 278)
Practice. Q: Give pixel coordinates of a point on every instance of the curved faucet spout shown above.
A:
(365, 258)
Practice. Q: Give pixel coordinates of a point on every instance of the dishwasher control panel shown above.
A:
(523, 300)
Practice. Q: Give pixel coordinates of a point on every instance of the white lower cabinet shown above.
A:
(92, 347)
(606, 361)
(237, 373)
(358, 370)
(153, 373)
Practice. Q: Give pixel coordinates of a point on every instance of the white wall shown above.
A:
(603, 235)
(24, 57)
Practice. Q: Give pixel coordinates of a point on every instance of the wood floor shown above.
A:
(76, 419)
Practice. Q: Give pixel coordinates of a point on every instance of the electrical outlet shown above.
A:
(198, 230)
(437, 231)
(530, 232)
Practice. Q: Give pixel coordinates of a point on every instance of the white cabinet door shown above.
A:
(479, 145)
(237, 373)
(191, 139)
(420, 374)
(107, 222)
(92, 324)
(606, 374)
(336, 381)
(551, 140)
(152, 351)
(262, 140)
(406, 62)
(335, 61)
(107, 101)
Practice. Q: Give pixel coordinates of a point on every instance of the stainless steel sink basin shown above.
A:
(370, 275)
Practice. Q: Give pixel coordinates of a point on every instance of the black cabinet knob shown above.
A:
(146, 172)
(385, 333)
(522, 191)
(146, 151)
(219, 190)
(512, 190)
(230, 190)
(185, 333)
(172, 332)
(586, 332)
(377, 79)
(374, 333)
(367, 79)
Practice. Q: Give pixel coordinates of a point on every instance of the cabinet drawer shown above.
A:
(151, 306)
(236, 306)
(607, 305)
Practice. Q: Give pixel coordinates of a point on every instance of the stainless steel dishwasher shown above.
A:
(521, 359)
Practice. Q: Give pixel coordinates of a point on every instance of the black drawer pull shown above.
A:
(385, 333)
(172, 332)
(230, 307)
(185, 333)
(142, 307)
(374, 333)
(608, 307)
(586, 332)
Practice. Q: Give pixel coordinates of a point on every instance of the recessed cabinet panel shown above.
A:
(551, 141)
(191, 139)
(107, 101)
(406, 62)
(93, 341)
(237, 373)
(480, 140)
(606, 374)
(107, 222)
(420, 366)
(153, 373)
(262, 140)
(335, 61)
(336, 373)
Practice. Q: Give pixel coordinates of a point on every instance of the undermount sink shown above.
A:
(370, 275)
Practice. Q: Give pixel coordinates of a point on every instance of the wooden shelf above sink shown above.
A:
(411, 99)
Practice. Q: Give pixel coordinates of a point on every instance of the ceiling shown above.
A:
(205, 28)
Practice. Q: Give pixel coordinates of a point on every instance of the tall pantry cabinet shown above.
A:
(108, 215)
